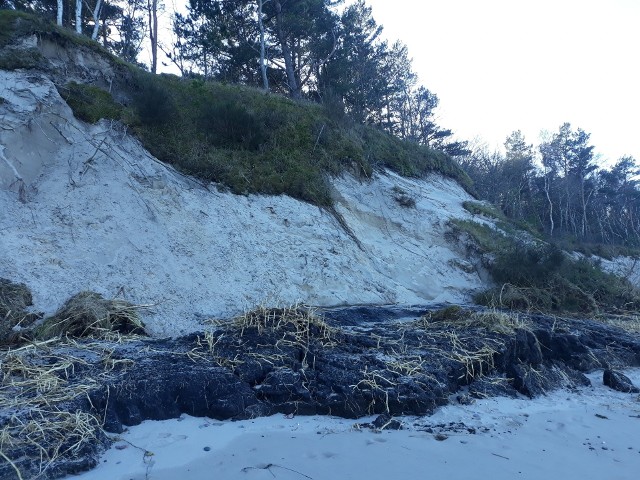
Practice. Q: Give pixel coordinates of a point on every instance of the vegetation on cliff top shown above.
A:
(238, 136)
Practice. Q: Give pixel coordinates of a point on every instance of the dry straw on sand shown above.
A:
(90, 314)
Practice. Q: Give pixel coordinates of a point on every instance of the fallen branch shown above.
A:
(268, 467)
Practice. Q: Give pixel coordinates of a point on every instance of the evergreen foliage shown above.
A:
(559, 191)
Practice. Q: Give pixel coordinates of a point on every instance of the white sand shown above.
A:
(87, 208)
(562, 435)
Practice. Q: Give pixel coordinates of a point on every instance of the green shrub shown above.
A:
(153, 102)
(527, 265)
(543, 278)
(90, 103)
(246, 140)
(229, 125)
(533, 275)
(14, 23)
(15, 58)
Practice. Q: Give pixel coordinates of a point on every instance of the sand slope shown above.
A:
(87, 208)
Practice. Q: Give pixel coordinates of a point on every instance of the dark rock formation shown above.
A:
(619, 382)
(346, 368)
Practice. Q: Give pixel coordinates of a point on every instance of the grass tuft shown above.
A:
(455, 317)
(89, 314)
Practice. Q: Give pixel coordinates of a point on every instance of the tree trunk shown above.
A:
(152, 9)
(60, 10)
(294, 88)
(263, 62)
(547, 187)
(78, 16)
(96, 20)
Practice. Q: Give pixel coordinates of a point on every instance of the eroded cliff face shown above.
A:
(85, 207)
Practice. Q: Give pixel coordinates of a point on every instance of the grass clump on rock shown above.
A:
(456, 317)
(90, 314)
(14, 299)
(294, 327)
(296, 321)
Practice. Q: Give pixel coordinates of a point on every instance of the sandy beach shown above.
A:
(589, 433)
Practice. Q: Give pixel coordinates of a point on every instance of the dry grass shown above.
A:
(34, 377)
(451, 332)
(38, 375)
(376, 381)
(51, 433)
(296, 326)
(298, 319)
(477, 360)
(35, 380)
(495, 321)
(89, 314)
(14, 297)
(629, 322)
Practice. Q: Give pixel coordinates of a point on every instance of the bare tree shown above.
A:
(152, 10)
(60, 10)
(292, 81)
(263, 62)
(96, 19)
(78, 16)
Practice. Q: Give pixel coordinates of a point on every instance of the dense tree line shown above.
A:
(559, 188)
(119, 25)
(302, 48)
(325, 51)
(306, 48)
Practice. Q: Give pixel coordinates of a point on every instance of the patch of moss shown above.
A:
(486, 238)
(15, 58)
(90, 103)
(479, 208)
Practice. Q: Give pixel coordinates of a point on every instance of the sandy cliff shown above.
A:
(85, 207)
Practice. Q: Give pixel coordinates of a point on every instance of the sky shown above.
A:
(531, 65)
(503, 65)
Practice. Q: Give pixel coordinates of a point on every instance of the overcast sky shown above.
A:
(502, 65)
